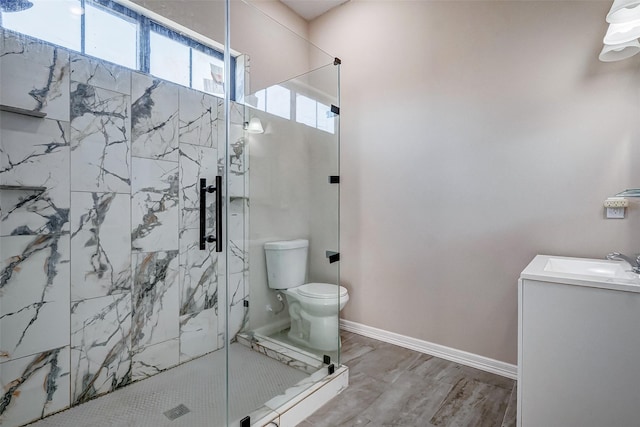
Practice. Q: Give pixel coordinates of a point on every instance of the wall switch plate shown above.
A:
(615, 213)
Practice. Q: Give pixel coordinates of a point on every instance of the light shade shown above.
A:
(624, 11)
(622, 33)
(254, 126)
(611, 53)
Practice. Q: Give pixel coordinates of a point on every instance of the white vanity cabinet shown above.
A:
(578, 344)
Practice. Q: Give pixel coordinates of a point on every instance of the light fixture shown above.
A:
(14, 5)
(624, 11)
(76, 10)
(254, 125)
(621, 41)
(618, 52)
(622, 33)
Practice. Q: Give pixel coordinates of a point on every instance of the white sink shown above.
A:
(599, 273)
(590, 267)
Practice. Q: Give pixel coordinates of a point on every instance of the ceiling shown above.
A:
(311, 9)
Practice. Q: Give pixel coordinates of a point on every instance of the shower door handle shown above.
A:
(204, 189)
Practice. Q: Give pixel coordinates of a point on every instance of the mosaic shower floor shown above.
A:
(199, 385)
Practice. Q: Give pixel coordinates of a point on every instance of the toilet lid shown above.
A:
(321, 290)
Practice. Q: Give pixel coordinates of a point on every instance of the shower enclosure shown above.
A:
(148, 151)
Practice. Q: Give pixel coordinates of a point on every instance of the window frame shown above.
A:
(145, 26)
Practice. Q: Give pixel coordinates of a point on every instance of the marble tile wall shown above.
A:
(102, 282)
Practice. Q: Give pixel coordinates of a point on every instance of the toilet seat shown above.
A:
(321, 291)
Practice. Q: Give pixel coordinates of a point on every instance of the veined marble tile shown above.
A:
(237, 257)
(34, 386)
(101, 74)
(198, 274)
(236, 111)
(238, 313)
(198, 118)
(238, 254)
(195, 163)
(237, 162)
(34, 152)
(154, 118)
(287, 355)
(238, 208)
(155, 298)
(34, 290)
(100, 244)
(154, 205)
(100, 142)
(154, 359)
(198, 334)
(100, 346)
(34, 76)
(243, 74)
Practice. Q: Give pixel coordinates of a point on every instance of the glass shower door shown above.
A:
(283, 191)
(105, 288)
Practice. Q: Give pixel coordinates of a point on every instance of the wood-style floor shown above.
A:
(393, 386)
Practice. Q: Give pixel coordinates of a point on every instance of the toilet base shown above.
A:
(319, 333)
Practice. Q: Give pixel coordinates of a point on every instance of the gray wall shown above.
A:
(474, 136)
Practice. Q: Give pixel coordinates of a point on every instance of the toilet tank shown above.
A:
(286, 263)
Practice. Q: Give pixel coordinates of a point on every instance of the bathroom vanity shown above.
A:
(578, 343)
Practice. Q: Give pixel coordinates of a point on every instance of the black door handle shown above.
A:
(204, 189)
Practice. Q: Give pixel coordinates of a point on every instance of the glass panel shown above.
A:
(306, 110)
(108, 181)
(326, 119)
(111, 36)
(56, 22)
(260, 100)
(285, 168)
(207, 73)
(279, 101)
(169, 59)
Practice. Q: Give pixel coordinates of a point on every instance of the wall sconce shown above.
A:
(621, 40)
(619, 52)
(254, 126)
(624, 11)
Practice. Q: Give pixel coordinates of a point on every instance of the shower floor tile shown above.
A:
(199, 385)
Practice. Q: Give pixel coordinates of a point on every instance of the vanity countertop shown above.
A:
(593, 273)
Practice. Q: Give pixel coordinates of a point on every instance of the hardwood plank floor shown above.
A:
(393, 386)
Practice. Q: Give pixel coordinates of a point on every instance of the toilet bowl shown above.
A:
(314, 307)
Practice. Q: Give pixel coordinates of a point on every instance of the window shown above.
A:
(325, 118)
(111, 36)
(279, 101)
(169, 59)
(107, 30)
(306, 110)
(275, 100)
(58, 22)
(207, 73)
(315, 114)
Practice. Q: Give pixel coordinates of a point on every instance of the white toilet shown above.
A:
(313, 306)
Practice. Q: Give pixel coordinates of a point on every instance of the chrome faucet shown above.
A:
(635, 264)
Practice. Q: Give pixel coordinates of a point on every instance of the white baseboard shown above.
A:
(458, 356)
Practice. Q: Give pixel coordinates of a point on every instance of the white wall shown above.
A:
(474, 136)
